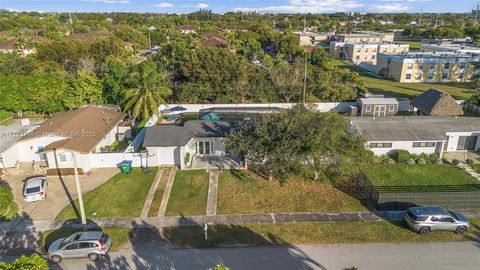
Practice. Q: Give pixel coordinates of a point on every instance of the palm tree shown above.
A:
(148, 89)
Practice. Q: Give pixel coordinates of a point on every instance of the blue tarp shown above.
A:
(211, 117)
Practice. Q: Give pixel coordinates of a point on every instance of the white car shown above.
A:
(35, 189)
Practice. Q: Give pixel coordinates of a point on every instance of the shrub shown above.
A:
(421, 161)
(401, 156)
(455, 162)
(384, 159)
(186, 159)
(34, 262)
(411, 161)
(6, 199)
(433, 158)
(391, 161)
(440, 161)
(469, 162)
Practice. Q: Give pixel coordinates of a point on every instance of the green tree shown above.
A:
(287, 80)
(114, 74)
(33, 262)
(318, 145)
(219, 267)
(147, 90)
(85, 88)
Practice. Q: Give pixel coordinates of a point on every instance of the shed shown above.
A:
(377, 106)
(436, 102)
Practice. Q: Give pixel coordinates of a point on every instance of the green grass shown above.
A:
(8, 207)
(119, 236)
(417, 175)
(189, 193)
(309, 233)
(157, 198)
(414, 45)
(121, 196)
(243, 191)
(4, 115)
(390, 88)
(476, 167)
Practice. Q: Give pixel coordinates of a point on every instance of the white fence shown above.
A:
(110, 160)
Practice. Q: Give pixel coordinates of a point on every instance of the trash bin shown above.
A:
(125, 166)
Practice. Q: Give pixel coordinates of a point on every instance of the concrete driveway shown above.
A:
(60, 191)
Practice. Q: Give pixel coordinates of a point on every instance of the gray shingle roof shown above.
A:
(437, 102)
(170, 135)
(415, 128)
(10, 134)
(379, 101)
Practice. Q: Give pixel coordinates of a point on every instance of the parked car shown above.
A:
(92, 245)
(35, 189)
(426, 219)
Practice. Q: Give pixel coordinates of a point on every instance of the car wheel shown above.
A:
(461, 230)
(424, 230)
(93, 256)
(56, 259)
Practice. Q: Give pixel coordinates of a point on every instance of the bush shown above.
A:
(391, 161)
(6, 200)
(455, 162)
(421, 161)
(401, 156)
(187, 158)
(34, 262)
(433, 158)
(411, 161)
(469, 162)
(384, 159)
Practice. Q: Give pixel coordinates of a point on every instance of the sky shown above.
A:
(264, 6)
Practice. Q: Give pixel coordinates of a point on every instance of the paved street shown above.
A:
(459, 255)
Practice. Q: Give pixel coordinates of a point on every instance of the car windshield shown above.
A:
(415, 217)
(69, 239)
(33, 190)
(453, 215)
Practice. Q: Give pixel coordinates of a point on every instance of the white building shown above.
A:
(187, 146)
(9, 154)
(419, 134)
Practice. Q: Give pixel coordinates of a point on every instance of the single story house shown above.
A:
(8, 137)
(81, 132)
(436, 103)
(180, 146)
(377, 106)
(419, 134)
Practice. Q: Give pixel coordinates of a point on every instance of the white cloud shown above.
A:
(110, 1)
(164, 5)
(389, 8)
(201, 5)
(310, 6)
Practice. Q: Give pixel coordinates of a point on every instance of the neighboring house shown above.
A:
(419, 134)
(237, 28)
(8, 137)
(82, 132)
(377, 106)
(365, 52)
(169, 144)
(217, 41)
(22, 46)
(188, 29)
(436, 103)
(427, 67)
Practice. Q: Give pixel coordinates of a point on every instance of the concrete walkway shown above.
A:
(166, 194)
(212, 193)
(151, 193)
(179, 221)
(470, 171)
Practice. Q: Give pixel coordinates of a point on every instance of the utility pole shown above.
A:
(79, 190)
(305, 82)
(476, 15)
(71, 22)
(420, 20)
(305, 23)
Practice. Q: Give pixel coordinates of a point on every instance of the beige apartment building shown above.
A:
(361, 36)
(365, 52)
(451, 48)
(312, 39)
(426, 67)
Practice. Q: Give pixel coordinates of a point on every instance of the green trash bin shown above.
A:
(125, 166)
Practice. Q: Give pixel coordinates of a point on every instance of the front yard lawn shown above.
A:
(242, 192)
(309, 233)
(8, 206)
(417, 175)
(476, 167)
(121, 196)
(119, 236)
(189, 193)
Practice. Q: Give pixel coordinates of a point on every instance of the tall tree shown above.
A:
(147, 90)
(85, 88)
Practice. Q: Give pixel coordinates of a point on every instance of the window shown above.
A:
(373, 57)
(410, 66)
(84, 245)
(430, 76)
(357, 57)
(204, 147)
(444, 76)
(408, 76)
(463, 65)
(72, 246)
(446, 66)
(358, 50)
(423, 144)
(368, 108)
(366, 57)
(391, 108)
(432, 66)
(65, 157)
(381, 145)
(447, 219)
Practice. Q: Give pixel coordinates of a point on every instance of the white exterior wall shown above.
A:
(107, 140)
(10, 157)
(402, 145)
(83, 160)
(453, 140)
(27, 149)
(167, 156)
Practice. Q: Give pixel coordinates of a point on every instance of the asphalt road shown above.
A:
(455, 255)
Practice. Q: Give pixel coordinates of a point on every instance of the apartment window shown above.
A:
(366, 57)
(368, 108)
(410, 66)
(444, 76)
(357, 57)
(380, 145)
(394, 50)
(373, 56)
(391, 108)
(430, 76)
(420, 66)
(358, 50)
(419, 77)
(446, 66)
(423, 144)
(408, 76)
(432, 66)
(463, 65)
(374, 50)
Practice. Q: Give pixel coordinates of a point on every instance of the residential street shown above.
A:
(460, 255)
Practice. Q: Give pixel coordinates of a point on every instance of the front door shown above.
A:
(204, 147)
(379, 110)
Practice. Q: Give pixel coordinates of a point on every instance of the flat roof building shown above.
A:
(365, 52)
(365, 36)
